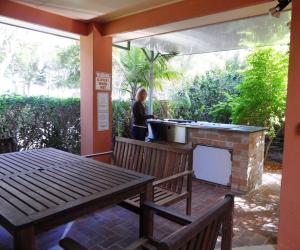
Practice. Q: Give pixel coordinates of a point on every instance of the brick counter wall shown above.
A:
(247, 154)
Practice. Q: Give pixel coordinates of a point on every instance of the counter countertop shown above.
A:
(210, 126)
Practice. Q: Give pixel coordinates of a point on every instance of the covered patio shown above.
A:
(257, 220)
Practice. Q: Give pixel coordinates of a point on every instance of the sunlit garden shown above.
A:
(40, 95)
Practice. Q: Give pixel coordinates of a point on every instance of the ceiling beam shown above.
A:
(32, 15)
(186, 9)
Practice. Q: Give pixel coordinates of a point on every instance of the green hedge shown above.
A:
(121, 118)
(38, 122)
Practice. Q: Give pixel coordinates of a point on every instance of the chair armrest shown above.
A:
(97, 154)
(171, 178)
(69, 244)
(168, 214)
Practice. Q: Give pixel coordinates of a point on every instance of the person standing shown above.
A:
(139, 128)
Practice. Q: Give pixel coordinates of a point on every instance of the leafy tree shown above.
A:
(21, 61)
(7, 43)
(199, 98)
(262, 95)
(136, 69)
(133, 65)
(68, 67)
(26, 66)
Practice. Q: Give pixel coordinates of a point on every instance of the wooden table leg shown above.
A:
(146, 216)
(24, 239)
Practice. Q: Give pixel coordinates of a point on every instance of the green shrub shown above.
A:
(222, 112)
(121, 118)
(262, 95)
(38, 122)
(201, 98)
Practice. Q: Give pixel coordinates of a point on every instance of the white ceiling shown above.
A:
(197, 22)
(102, 10)
(259, 31)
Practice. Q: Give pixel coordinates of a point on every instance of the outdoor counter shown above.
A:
(244, 144)
(209, 125)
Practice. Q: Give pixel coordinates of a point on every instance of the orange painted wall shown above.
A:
(95, 55)
(289, 226)
(36, 16)
(183, 10)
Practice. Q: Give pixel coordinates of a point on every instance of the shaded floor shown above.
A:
(255, 220)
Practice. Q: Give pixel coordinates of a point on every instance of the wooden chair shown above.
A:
(172, 167)
(196, 234)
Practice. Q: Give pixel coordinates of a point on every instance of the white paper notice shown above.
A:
(103, 111)
(103, 81)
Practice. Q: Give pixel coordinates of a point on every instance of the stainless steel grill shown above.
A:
(167, 130)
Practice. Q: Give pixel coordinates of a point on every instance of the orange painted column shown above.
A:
(96, 58)
(289, 224)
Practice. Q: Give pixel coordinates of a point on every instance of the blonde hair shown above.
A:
(139, 92)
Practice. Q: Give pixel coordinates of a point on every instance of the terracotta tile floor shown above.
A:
(255, 223)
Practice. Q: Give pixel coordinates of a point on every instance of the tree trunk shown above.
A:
(15, 87)
(267, 148)
(28, 88)
(151, 60)
(151, 79)
(24, 89)
(133, 94)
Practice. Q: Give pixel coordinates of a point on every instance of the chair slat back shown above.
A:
(153, 159)
(203, 232)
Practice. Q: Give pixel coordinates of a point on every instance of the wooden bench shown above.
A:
(172, 167)
(196, 234)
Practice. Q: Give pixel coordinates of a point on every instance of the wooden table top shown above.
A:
(36, 185)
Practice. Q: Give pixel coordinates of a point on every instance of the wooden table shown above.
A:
(44, 188)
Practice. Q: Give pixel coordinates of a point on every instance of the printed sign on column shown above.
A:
(103, 81)
(103, 111)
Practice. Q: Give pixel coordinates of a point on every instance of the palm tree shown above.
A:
(136, 69)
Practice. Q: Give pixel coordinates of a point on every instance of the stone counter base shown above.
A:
(247, 154)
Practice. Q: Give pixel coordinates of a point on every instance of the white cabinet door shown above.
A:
(212, 164)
